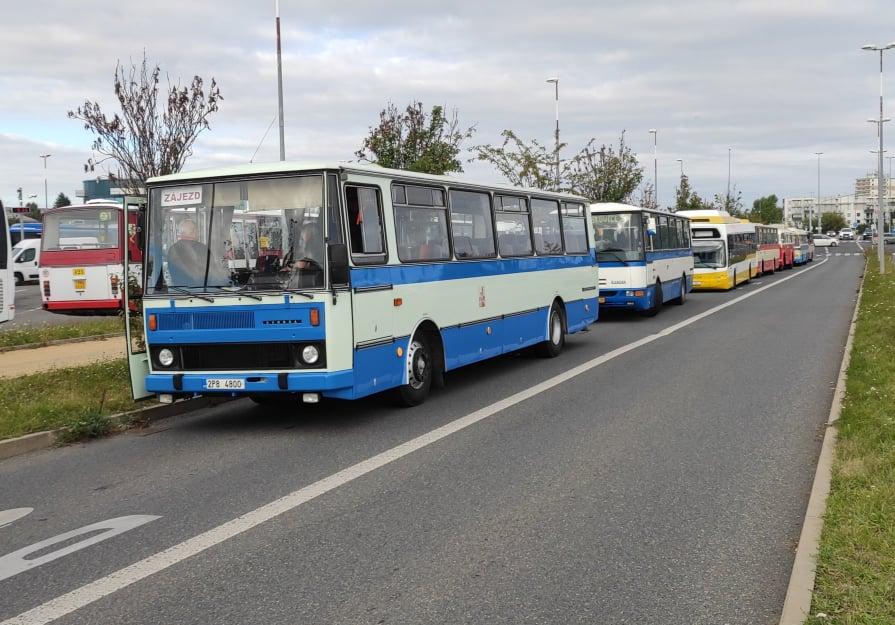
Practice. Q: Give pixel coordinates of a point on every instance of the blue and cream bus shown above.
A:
(644, 255)
(357, 279)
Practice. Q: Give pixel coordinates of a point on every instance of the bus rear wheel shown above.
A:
(680, 299)
(556, 337)
(419, 373)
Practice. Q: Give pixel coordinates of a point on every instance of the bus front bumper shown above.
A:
(638, 298)
(324, 382)
(712, 281)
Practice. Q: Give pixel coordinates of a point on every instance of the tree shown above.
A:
(149, 137)
(732, 203)
(687, 199)
(765, 210)
(523, 164)
(606, 174)
(61, 200)
(832, 221)
(415, 140)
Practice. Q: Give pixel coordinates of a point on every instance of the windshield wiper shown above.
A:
(191, 294)
(237, 291)
(614, 251)
(296, 292)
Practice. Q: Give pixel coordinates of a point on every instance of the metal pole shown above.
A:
(818, 189)
(280, 85)
(881, 192)
(728, 179)
(555, 82)
(655, 133)
(46, 198)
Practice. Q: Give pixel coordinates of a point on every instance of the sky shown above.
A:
(772, 80)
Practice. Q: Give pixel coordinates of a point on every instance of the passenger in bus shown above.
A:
(432, 248)
(188, 257)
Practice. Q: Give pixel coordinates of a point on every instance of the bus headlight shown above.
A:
(310, 355)
(165, 357)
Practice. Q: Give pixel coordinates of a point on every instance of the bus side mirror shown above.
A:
(338, 263)
(651, 226)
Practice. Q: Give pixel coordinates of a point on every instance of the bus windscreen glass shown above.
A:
(708, 254)
(618, 236)
(81, 229)
(254, 235)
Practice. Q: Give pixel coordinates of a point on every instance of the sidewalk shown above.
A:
(25, 361)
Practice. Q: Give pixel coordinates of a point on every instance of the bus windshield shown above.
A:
(708, 254)
(88, 228)
(618, 236)
(250, 235)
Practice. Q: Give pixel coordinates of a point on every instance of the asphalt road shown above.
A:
(30, 313)
(666, 485)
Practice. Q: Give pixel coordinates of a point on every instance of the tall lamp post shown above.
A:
(280, 86)
(818, 190)
(881, 255)
(46, 198)
(880, 178)
(555, 82)
(681, 161)
(729, 150)
(655, 133)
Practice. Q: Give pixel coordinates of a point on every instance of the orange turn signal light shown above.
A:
(153, 323)
(315, 317)
(398, 301)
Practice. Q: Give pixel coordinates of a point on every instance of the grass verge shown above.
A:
(855, 581)
(38, 335)
(80, 398)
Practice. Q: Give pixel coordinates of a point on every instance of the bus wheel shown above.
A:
(679, 300)
(419, 373)
(656, 306)
(557, 334)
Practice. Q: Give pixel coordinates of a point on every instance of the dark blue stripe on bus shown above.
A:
(413, 273)
(662, 254)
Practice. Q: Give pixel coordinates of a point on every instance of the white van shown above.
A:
(25, 260)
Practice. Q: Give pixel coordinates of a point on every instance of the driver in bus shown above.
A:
(188, 257)
(307, 270)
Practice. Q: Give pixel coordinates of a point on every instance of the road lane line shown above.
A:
(140, 570)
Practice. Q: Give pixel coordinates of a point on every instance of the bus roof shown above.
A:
(712, 217)
(615, 207)
(371, 170)
(90, 204)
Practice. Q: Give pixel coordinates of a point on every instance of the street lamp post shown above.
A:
(728, 177)
(280, 85)
(46, 199)
(681, 161)
(818, 190)
(880, 190)
(881, 255)
(555, 82)
(655, 133)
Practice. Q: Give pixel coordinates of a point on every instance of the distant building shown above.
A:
(857, 209)
(103, 188)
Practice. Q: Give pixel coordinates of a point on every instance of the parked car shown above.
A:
(846, 234)
(889, 238)
(822, 240)
(832, 233)
(25, 260)
(866, 237)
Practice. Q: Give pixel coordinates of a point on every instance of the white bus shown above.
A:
(644, 255)
(364, 279)
(724, 249)
(7, 280)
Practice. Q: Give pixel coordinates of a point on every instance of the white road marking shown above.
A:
(96, 590)
(14, 514)
(18, 561)
(837, 254)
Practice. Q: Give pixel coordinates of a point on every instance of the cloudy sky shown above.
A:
(775, 80)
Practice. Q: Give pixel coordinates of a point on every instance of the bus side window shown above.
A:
(333, 215)
(365, 225)
(573, 228)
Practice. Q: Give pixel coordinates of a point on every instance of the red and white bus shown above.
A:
(83, 249)
(770, 250)
(787, 251)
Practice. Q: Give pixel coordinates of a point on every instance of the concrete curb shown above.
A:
(797, 606)
(76, 339)
(49, 438)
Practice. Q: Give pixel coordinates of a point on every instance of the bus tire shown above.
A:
(556, 333)
(680, 299)
(656, 306)
(419, 373)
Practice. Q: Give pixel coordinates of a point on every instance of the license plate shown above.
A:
(80, 285)
(225, 384)
(602, 300)
(79, 271)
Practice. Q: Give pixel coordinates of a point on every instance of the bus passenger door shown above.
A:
(137, 356)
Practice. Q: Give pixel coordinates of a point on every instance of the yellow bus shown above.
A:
(724, 249)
